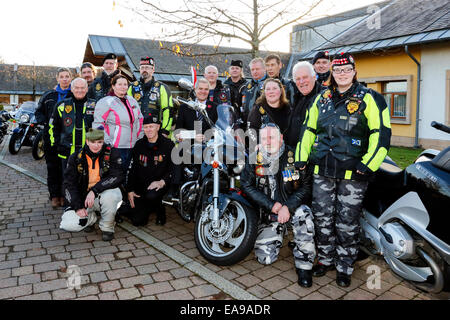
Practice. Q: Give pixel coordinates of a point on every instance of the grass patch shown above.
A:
(403, 156)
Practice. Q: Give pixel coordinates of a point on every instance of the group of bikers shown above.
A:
(321, 136)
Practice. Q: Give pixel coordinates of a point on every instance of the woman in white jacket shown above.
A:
(119, 115)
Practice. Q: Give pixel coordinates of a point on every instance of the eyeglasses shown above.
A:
(344, 70)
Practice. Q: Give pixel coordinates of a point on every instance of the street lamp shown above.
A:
(15, 81)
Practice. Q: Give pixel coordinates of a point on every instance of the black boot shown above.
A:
(89, 229)
(304, 278)
(107, 236)
(161, 217)
(343, 279)
(320, 270)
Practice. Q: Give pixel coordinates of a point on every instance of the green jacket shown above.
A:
(62, 129)
(345, 133)
(154, 95)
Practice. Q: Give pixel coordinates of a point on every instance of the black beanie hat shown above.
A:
(343, 58)
(320, 55)
(147, 61)
(109, 56)
(151, 117)
(236, 63)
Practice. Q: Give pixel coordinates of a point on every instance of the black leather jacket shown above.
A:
(101, 86)
(76, 175)
(293, 187)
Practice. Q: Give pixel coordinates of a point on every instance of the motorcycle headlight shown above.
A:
(24, 118)
(238, 168)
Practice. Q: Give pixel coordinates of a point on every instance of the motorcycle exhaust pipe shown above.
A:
(185, 217)
(438, 276)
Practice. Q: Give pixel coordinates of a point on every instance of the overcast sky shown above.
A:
(54, 32)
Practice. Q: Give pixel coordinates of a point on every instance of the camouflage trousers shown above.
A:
(269, 242)
(337, 206)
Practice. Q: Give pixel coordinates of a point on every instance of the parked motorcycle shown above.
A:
(27, 132)
(4, 124)
(405, 218)
(225, 223)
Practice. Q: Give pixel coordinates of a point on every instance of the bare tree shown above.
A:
(252, 21)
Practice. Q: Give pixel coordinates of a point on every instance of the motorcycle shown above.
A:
(405, 220)
(4, 124)
(225, 222)
(26, 131)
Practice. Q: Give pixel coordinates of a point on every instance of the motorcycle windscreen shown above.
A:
(227, 122)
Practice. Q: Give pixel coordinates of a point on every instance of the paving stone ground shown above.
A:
(36, 258)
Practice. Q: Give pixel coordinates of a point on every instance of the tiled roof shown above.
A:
(45, 78)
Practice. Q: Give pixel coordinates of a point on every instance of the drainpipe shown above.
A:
(416, 138)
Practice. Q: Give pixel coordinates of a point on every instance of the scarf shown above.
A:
(321, 77)
(62, 94)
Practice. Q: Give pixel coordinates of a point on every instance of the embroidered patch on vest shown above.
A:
(67, 122)
(68, 108)
(352, 107)
(259, 171)
(261, 110)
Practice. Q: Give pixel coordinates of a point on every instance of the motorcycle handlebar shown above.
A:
(440, 126)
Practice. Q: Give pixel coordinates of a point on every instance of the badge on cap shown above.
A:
(68, 108)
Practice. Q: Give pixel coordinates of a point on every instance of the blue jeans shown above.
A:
(125, 155)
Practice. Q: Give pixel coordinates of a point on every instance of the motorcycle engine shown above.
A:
(397, 240)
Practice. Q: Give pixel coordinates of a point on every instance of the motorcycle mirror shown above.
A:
(185, 84)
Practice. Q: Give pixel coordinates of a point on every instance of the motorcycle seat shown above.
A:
(390, 174)
(442, 160)
(390, 168)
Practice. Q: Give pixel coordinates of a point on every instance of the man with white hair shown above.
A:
(71, 120)
(254, 87)
(218, 93)
(304, 77)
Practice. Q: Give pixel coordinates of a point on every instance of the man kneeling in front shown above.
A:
(91, 186)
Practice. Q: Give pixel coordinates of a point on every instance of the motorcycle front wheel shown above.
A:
(232, 239)
(38, 146)
(15, 143)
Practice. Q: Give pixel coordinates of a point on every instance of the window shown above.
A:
(397, 91)
(395, 94)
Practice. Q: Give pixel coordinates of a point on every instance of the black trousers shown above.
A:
(54, 170)
(150, 201)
